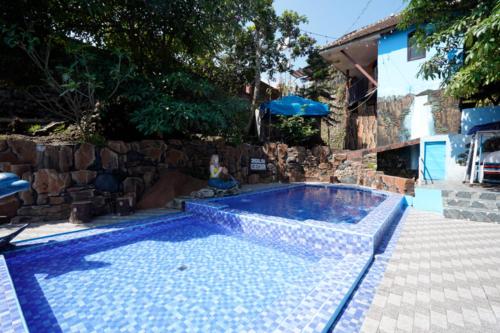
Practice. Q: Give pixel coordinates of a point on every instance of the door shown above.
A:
(435, 160)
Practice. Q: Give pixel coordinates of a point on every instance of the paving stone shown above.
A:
(462, 194)
(447, 274)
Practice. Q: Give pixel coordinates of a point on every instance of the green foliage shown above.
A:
(266, 43)
(33, 128)
(178, 64)
(327, 82)
(180, 103)
(296, 130)
(96, 139)
(82, 82)
(466, 36)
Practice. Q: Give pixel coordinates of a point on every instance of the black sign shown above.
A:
(257, 164)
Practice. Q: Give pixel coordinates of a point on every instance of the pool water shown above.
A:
(184, 275)
(322, 203)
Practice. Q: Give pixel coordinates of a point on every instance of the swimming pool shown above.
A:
(323, 203)
(212, 269)
(175, 276)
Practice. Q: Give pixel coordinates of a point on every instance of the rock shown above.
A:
(84, 156)
(133, 185)
(107, 183)
(339, 157)
(8, 156)
(81, 212)
(109, 159)
(203, 193)
(47, 129)
(175, 158)
(42, 199)
(324, 166)
(50, 181)
(3, 145)
(57, 200)
(26, 151)
(282, 151)
(134, 156)
(119, 147)
(45, 212)
(141, 170)
(81, 194)
(253, 179)
(20, 169)
(83, 177)
(27, 196)
(149, 178)
(322, 152)
(9, 206)
(153, 150)
(272, 168)
(55, 157)
(5, 166)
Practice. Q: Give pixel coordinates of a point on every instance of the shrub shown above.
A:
(296, 130)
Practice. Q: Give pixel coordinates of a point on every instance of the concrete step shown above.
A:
(471, 194)
(471, 203)
(472, 214)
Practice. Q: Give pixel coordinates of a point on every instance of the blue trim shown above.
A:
(428, 199)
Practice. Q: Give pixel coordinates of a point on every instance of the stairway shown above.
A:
(472, 204)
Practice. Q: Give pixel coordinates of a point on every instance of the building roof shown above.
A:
(377, 27)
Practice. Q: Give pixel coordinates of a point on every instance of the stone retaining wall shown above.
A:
(62, 174)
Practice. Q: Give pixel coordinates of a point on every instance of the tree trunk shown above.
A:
(256, 84)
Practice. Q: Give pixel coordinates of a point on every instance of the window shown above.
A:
(414, 51)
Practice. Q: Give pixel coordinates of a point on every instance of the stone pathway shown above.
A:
(41, 229)
(444, 276)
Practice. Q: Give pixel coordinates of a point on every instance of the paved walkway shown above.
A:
(444, 276)
(41, 229)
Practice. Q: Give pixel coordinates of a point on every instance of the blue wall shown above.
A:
(479, 116)
(409, 106)
(396, 75)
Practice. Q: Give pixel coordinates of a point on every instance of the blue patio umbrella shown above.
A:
(295, 106)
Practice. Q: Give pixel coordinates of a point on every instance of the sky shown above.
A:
(334, 18)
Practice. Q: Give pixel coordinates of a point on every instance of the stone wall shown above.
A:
(65, 173)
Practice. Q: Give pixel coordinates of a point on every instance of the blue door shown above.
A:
(435, 160)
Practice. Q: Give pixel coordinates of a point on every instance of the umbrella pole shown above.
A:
(269, 139)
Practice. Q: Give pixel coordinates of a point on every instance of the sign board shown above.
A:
(257, 164)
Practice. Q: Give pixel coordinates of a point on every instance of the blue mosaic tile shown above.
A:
(353, 314)
(214, 268)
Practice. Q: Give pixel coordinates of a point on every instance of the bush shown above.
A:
(296, 130)
(179, 103)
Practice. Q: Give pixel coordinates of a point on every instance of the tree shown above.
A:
(465, 35)
(199, 41)
(77, 88)
(266, 44)
(183, 104)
